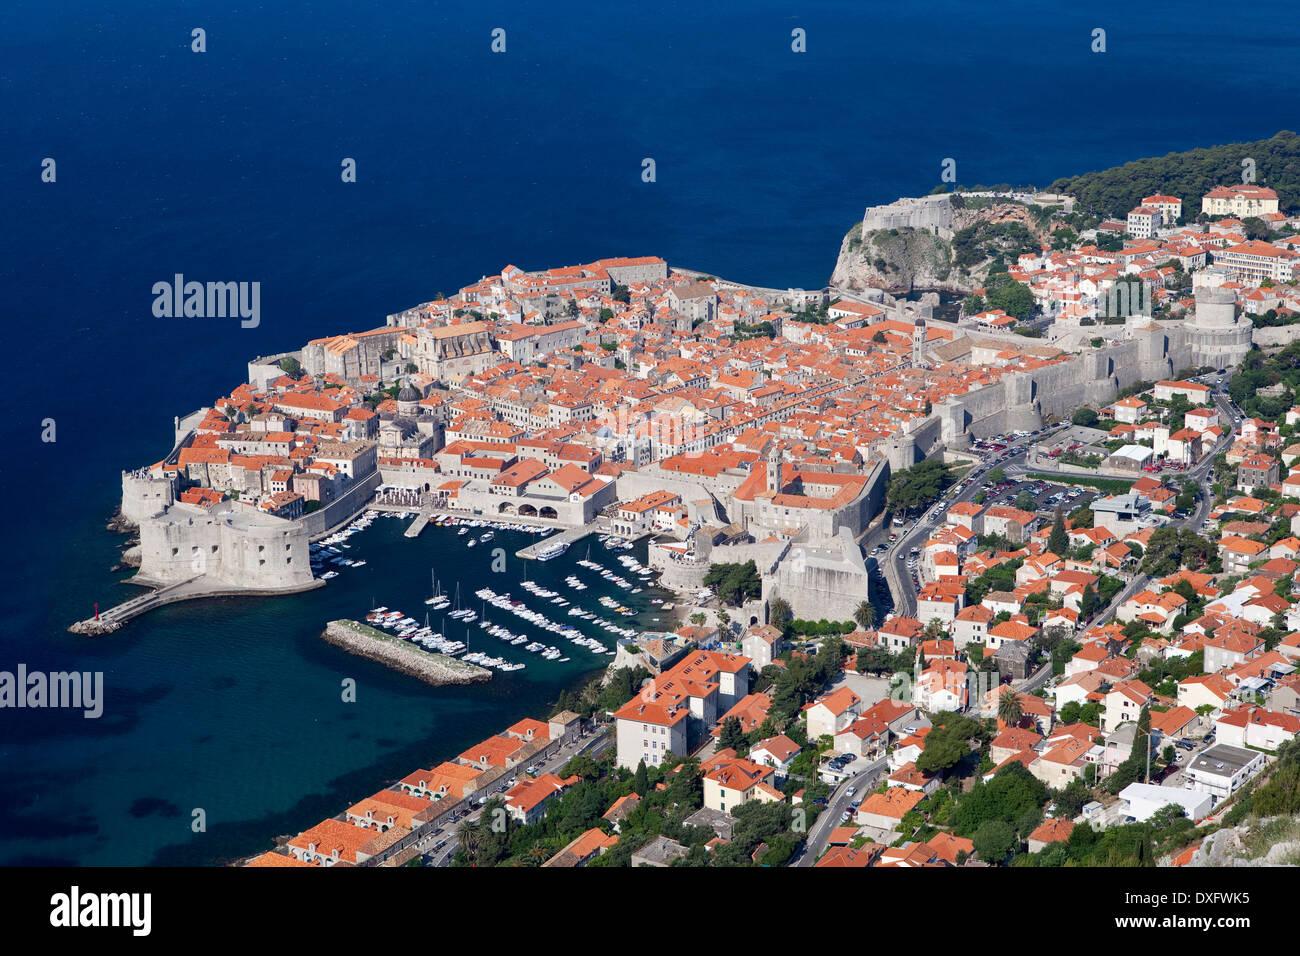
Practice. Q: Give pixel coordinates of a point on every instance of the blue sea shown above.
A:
(225, 166)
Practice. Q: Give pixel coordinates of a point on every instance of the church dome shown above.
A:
(408, 394)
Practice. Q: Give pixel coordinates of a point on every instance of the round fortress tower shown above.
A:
(1216, 308)
(1217, 336)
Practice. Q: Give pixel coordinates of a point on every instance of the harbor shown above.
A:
(552, 619)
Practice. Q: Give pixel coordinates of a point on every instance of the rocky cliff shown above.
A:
(905, 259)
(892, 259)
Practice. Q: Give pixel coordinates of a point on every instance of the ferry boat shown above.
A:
(554, 551)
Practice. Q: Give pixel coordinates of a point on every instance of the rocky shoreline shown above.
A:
(436, 669)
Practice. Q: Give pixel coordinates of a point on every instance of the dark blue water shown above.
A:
(225, 166)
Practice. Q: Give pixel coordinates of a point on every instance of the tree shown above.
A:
(1010, 710)
(732, 735)
(1012, 297)
(641, 782)
(291, 366)
(997, 475)
(865, 615)
(734, 583)
(779, 613)
(919, 486)
(1088, 603)
(1025, 501)
(698, 618)
(994, 841)
(948, 744)
(1084, 416)
(1058, 542)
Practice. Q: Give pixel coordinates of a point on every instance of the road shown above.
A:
(893, 561)
(1196, 520)
(863, 783)
(443, 831)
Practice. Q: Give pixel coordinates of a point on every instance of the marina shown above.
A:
(570, 615)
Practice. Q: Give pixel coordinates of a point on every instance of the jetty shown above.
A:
(436, 669)
(570, 537)
(416, 526)
(190, 589)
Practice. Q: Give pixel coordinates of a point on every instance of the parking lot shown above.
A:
(1046, 495)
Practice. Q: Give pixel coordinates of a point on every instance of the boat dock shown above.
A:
(537, 547)
(187, 590)
(417, 526)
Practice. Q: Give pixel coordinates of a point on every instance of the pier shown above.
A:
(416, 526)
(187, 590)
(570, 537)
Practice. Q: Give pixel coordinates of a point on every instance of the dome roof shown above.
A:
(408, 394)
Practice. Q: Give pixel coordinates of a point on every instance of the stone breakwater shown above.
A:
(435, 669)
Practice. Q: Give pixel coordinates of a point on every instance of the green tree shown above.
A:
(1084, 416)
(641, 781)
(1088, 603)
(1012, 297)
(865, 615)
(734, 583)
(1010, 710)
(994, 841)
(779, 613)
(1058, 542)
(732, 735)
(918, 487)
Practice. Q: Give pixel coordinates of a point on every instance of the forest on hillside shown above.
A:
(1189, 175)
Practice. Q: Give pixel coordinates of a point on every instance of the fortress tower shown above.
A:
(918, 343)
(1218, 338)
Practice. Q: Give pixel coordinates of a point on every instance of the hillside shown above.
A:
(906, 259)
(1189, 175)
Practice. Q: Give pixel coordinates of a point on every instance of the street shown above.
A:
(863, 783)
(437, 840)
(893, 561)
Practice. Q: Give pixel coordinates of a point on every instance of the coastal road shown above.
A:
(593, 745)
(863, 783)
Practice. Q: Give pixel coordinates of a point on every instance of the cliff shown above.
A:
(892, 259)
(904, 259)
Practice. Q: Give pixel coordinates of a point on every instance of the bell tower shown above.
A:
(918, 344)
(773, 468)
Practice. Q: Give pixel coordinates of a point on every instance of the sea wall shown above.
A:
(435, 669)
